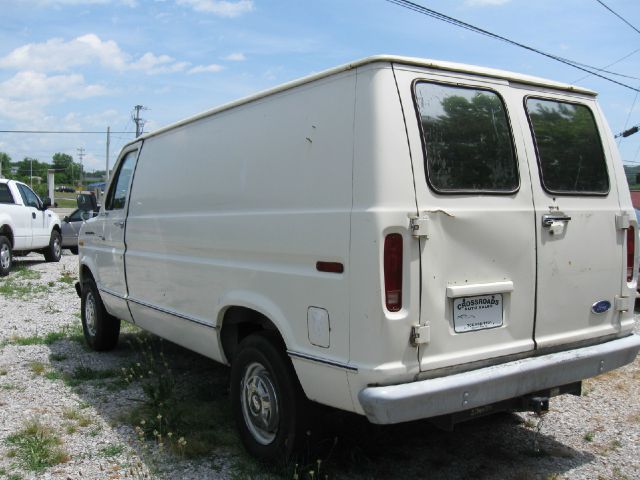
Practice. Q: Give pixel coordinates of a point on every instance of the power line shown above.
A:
(617, 15)
(59, 131)
(467, 26)
(611, 64)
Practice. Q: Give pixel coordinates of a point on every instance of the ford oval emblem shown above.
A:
(601, 306)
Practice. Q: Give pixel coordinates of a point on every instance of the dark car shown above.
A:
(71, 226)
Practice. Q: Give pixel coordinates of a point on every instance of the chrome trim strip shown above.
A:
(325, 361)
(112, 293)
(171, 312)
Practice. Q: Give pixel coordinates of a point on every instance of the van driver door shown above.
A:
(109, 238)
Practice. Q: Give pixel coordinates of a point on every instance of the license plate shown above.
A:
(477, 313)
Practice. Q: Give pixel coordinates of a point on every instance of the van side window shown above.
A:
(5, 194)
(570, 155)
(117, 196)
(29, 198)
(467, 139)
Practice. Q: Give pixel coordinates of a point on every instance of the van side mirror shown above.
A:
(87, 201)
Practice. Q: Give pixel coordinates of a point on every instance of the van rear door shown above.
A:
(476, 218)
(580, 243)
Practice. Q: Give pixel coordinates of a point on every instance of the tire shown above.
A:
(73, 250)
(101, 330)
(54, 251)
(6, 256)
(269, 406)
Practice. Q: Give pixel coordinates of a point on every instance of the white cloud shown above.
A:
(221, 8)
(35, 85)
(235, 57)
(56, 55)
(213, 68)
(154, 64)
(485, 3)
(63, 3)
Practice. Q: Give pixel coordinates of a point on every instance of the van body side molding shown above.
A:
(324, 361)
(484, 386)
(173, 313)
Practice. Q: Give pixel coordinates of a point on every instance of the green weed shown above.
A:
(111, 451)
(37, 368)
(37, 447)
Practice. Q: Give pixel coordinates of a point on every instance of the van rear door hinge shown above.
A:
(622, 221)
(420, 334)
(622, 304)
(418, 226)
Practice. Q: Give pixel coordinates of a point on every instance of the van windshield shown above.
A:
(467, 139)
(570, 155)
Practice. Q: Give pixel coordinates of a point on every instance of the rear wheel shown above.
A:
(54, 251)
(6, 256)
(268, 402)
(101, 330)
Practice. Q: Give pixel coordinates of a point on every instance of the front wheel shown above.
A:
(54, 251)
(6, 256)
(101, 330)
(268, 402)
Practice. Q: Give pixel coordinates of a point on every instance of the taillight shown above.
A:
(631, 249)
(393, 271)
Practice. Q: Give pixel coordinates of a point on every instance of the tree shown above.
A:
(5, 165)
(64, 166)
(468, 140)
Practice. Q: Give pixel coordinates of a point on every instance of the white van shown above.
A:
(395, 237)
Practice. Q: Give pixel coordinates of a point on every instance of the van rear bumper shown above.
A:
(484, 386)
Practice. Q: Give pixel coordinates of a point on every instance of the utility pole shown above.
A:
(108, 142)
(135, 116)
(81, 155)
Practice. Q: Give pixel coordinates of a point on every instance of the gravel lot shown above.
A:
(94, 415)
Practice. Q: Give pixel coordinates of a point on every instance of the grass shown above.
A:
(23, 291)
(37, 368)
(57, 357)
(67, 277)
(78, 417)
(47, 339)
(589, 436)
(111, 451)
(25, 273)
(36, 447)
(66, 202)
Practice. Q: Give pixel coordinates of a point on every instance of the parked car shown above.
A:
(26, 225)
(399, 238)
(64, 188)
(71, 226)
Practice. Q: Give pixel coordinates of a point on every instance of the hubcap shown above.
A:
(5, 256)
(260, 403)
(57, 249)
(90, 313)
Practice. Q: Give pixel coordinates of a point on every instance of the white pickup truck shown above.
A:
(26, 225)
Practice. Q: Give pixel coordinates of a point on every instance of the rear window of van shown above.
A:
(570, 156)
(467, 139)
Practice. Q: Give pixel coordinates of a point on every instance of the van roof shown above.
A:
(411, 61)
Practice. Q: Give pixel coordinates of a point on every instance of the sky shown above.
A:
(82, 65)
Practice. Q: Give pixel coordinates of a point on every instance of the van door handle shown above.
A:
(119, 224)
(547, 220)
